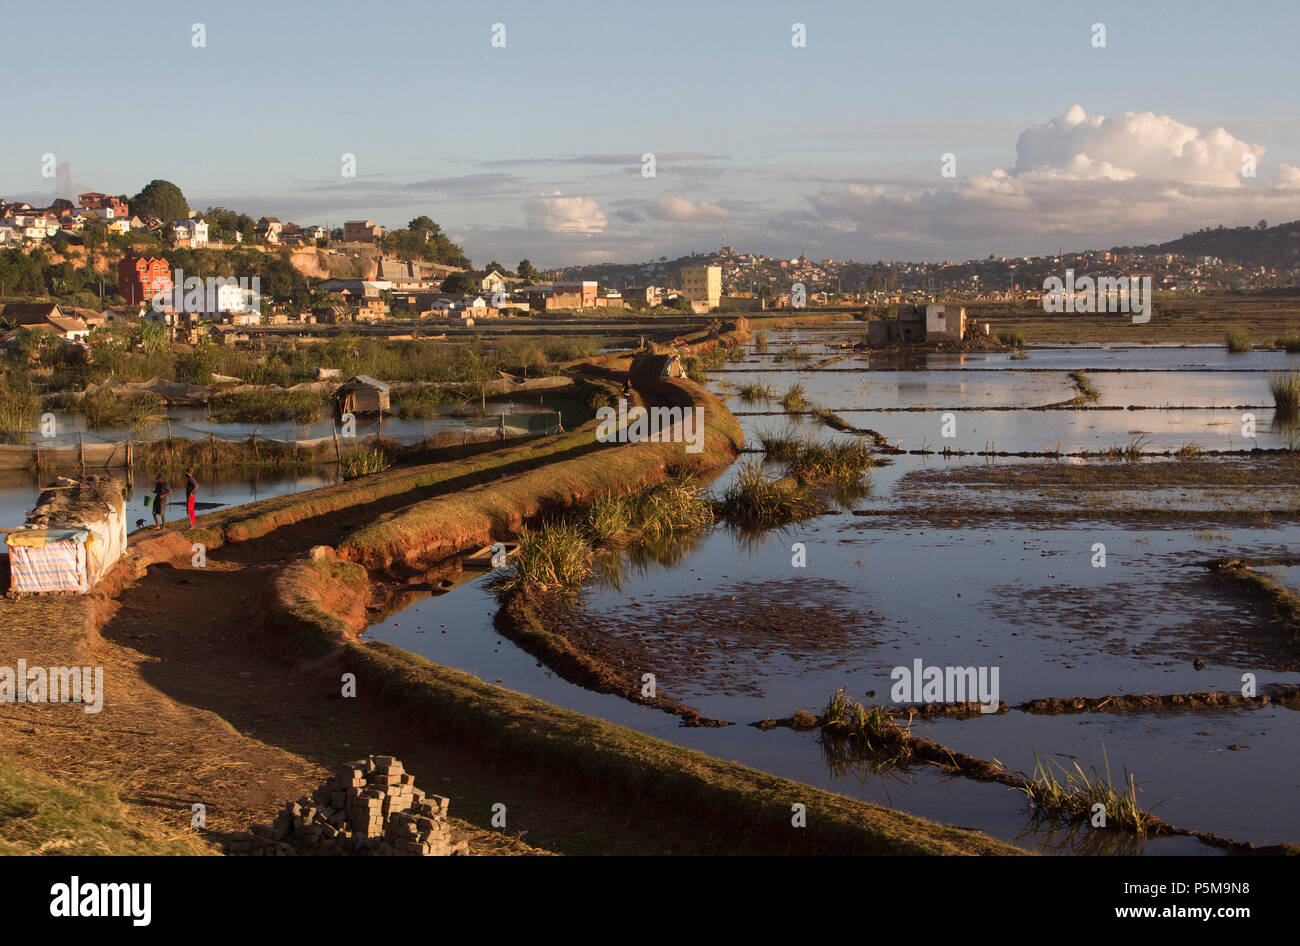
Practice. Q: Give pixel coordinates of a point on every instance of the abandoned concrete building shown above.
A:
(927, 323)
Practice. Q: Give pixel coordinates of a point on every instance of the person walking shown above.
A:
(191, 487)
(161, 490)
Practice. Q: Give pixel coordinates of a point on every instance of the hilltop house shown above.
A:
(268, 230)
(191, 233)
(361, 231)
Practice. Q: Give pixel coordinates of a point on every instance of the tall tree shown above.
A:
(161, 199)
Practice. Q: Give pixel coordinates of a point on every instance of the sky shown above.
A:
(907, 131)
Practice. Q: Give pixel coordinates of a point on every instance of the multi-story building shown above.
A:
(702, 286)
(361, 231)
(140, 279)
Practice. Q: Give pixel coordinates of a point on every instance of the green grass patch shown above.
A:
(105, 409)
(262, 407)
(364, 462)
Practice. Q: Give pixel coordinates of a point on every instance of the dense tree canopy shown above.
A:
(161, 199)
(459, 282)
(223, 224)
(423, 239)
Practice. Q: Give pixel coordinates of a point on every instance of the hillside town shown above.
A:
(385, 280)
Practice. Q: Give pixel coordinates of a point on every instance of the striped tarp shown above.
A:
(57, 565)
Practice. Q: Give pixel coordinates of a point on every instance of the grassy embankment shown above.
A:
(42, 815)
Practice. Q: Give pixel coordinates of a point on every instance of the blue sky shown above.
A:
(534, 149)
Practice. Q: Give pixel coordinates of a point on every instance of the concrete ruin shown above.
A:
(917, 324)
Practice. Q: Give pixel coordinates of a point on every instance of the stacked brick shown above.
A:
(371, 807)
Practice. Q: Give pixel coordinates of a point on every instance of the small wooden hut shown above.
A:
(361, 394)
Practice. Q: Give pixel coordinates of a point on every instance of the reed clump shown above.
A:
(795, 398)
(1285, 388)
(1075, 794)
(757, 501)
(364, 462)
(552, 558)
(1237, 340)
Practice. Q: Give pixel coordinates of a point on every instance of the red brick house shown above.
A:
(140, 279)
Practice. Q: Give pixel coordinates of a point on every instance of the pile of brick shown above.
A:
(371, 807)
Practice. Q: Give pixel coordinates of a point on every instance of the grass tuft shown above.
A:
(795, 398)
(756, 501)
(1072, 798)
(364, 462)
(1237, 340)
(555, 557)
(756, 391)
(1285, 388)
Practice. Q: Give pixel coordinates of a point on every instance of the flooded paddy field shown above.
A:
(1084, 577)
(198, 424)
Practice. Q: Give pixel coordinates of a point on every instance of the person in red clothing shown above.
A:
(191, 487)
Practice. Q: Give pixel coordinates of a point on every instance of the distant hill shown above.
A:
(1277, 246)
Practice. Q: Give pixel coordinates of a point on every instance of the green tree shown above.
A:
(526, 271)
(462, 283)
(161, 199)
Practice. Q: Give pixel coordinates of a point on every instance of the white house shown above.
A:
(193, 232)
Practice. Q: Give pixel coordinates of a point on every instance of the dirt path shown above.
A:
(196, 709)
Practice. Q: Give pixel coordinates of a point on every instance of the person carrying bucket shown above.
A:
(161, 490)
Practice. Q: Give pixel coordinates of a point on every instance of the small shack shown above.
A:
(657, 365)
(361, 394)
(73, 536)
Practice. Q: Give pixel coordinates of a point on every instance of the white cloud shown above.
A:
(1085, 180)
(678, 209)
(556, 213)
(1288, 176)
(1135, 144)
